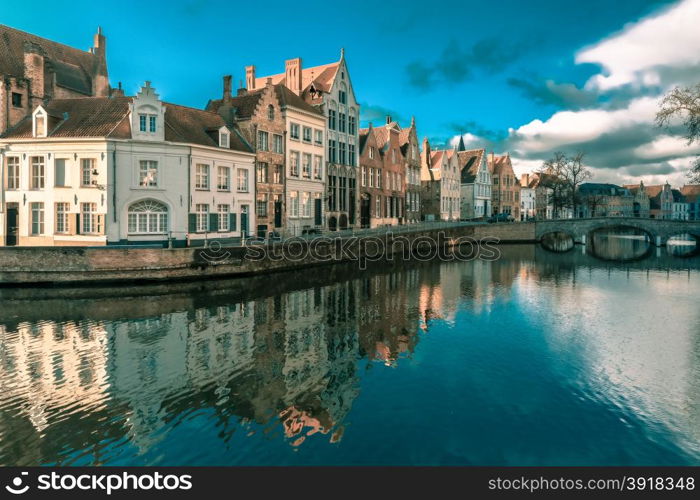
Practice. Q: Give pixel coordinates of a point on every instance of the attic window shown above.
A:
(223, 139)
(40, 125)
(147, 123)
(16, 100)
(270, 112)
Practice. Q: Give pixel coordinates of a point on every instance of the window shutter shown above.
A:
(213, 222)
(192, 222)
(77, 224)
(232, 224)
(244, 224)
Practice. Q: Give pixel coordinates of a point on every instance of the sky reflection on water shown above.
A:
(535, 359)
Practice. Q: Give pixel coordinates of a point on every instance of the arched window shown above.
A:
(270, 112)
(148, 217)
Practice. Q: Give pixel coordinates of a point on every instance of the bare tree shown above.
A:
(683, 103)
(594, 202)
(569, 172)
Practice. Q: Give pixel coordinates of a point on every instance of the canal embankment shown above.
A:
(58, 266)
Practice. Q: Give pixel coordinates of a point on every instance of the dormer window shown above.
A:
(39, 123)
(224, 139)
(147, 123)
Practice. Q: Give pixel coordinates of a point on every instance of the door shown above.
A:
(11, 238)
(318, 202)
(365, 203)
(244, 221)
(278, 213)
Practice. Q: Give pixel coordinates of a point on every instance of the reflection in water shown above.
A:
(621, 243)
(536, 358)
(682, 245)
(557, 242)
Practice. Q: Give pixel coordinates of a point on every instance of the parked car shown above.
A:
(500, 218)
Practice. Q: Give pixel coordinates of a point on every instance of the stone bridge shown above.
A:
(658, 230)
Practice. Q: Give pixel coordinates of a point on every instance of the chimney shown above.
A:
(292, 74)
(99, 44)
(388, 119)
(34, 71)
(426, 150)
(118, 92)
(241, 91)
(227, 88)
(250, 77)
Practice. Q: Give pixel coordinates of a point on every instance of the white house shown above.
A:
(475, 183)
(305, 184)
(123, 170)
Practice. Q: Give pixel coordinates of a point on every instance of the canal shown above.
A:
(536, 358)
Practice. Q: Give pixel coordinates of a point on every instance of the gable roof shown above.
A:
(469, 163)
(289, 98)
(321, 76)
(499, 164)
(108, 117)
(74, 68)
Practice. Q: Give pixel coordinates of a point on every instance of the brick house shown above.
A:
(35, 70)
(505, 193)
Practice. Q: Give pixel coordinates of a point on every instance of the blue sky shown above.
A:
(502, 72)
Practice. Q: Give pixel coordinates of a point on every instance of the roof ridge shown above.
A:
(46, 39)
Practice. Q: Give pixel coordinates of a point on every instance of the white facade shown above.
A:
(450, 194)
(306, 171)
(476, 195)
(528, 203)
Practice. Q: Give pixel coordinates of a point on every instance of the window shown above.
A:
(318, 167)
(352, 124)
(343, 96)
(341, 122)
(351, 154)
(294, 165)
(202, 212)
(261, 205)
(306, 165)
(89, 219)
(12, 172)
(37, 210)
(364, 176)
(270, 112)
(59, 173)
(331, 119)
(224, 139)
(201, 176)
(278, 144)
(277, 175)
(307, 134)
(39, 125)
(294, 204)
(378, 206)
(332, 153)
(62, 210)
(242, 180)
(263, 144)
(148, 173)
(318, 137)
(223, 179)
(16, 100)
(261, 172)
(148, 217)
(294, 131)
(371, 177)
(147, 123)
(224, 218)
(38, 172)
(371, 152)
(306, 205)
(380, 174)
(341, 150)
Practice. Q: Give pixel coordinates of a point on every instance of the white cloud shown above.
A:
(670, 39)
(665, 146)
(566, 129)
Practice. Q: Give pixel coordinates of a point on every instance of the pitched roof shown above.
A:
(604, 189)
(289, 98)
(469, 163)
(498, 164)
(108, 117)
(244, 104)
(74, 68)
(691, 191)
(321, 76)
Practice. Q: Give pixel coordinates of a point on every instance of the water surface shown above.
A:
(534, 359)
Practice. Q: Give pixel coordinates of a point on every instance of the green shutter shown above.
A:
(192, 222)
(232, 224)
(244, 224)
(77, 224)
(213, 223)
